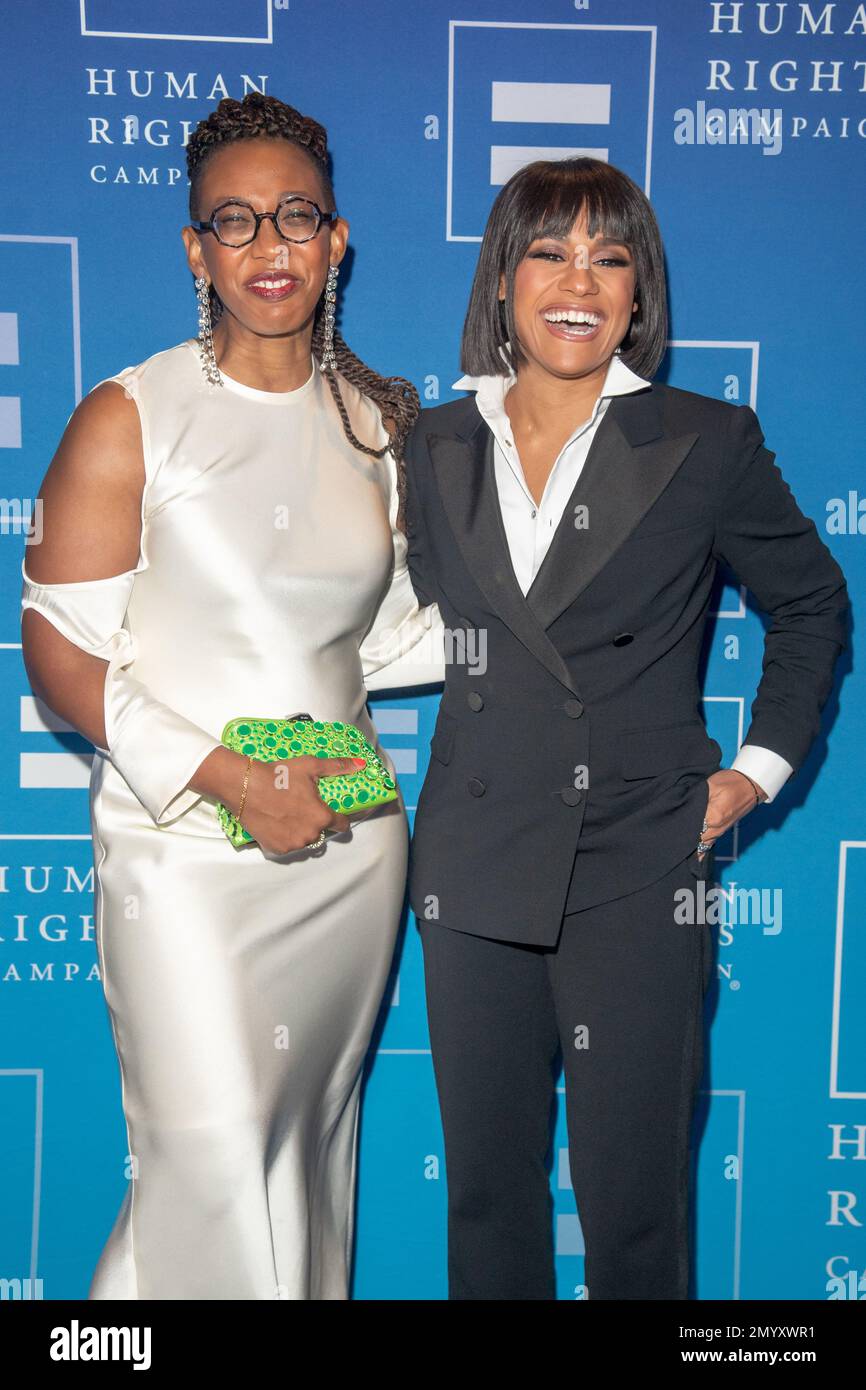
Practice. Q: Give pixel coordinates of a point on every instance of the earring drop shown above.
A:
(205, 333)
(329, 357)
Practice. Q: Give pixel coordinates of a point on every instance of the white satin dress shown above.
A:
(242, 988)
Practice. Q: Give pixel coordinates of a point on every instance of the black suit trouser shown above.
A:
(621, 995)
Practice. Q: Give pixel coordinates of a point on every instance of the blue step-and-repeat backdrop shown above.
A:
(746, 125)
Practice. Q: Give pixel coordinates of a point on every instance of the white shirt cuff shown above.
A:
(768, 769)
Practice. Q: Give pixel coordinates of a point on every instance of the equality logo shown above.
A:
(521, 92)
(215, 21)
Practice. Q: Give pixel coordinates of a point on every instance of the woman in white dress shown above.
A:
(222, 536)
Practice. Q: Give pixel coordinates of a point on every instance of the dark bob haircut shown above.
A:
(545, 199)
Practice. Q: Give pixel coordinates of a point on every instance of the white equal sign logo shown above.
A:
(50, 771)
(10, 406)
(546, 103)
(402, 722)
(585, 90)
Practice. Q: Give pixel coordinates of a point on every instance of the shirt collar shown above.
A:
(491, 391)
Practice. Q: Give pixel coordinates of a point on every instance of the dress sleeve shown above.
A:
(154, 748)
(405, 644)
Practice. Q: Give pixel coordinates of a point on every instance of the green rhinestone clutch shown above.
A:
(276, 740)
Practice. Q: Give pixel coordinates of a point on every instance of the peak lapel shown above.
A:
(628, 466)
(463, 467)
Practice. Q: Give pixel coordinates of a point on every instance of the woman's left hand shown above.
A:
(732, 796)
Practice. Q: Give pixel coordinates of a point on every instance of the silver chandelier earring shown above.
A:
(329, 357)
(205, 333)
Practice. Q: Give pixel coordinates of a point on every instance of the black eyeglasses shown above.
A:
(236, 223)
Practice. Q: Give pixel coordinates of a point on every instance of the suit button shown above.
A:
(571, 796)
(476, 786)
(475, 700)
(573, 708)
(623, 639)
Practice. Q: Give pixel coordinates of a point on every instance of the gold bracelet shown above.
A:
(246, 784)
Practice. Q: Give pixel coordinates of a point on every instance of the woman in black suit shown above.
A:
(568, 518)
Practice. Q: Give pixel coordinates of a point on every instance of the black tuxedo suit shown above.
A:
(596, 667)
(561, 809)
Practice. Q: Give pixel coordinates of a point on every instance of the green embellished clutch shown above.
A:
(275, 740)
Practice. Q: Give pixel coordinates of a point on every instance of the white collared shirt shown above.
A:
(530, 526)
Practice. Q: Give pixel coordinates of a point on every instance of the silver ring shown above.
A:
(702, 848)
(314, 844)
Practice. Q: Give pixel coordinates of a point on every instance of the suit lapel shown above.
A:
(464, 475)
(629, 464)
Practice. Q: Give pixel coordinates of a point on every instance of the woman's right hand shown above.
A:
(283, 810)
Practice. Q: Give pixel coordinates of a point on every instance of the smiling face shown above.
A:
(573, 301)
(271, 286)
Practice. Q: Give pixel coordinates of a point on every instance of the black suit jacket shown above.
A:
(596, 668)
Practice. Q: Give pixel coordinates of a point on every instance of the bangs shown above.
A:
(557, 193)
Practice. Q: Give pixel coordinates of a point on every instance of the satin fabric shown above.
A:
(242, 987)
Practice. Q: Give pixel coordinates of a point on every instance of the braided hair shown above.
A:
(259, 116)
